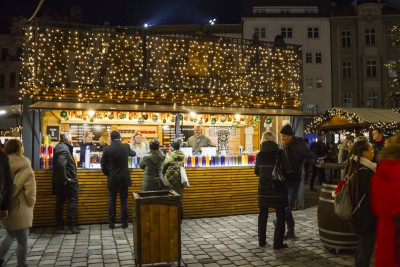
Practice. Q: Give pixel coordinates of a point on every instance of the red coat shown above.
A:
(385, 201)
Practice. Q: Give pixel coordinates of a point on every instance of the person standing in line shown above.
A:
(319, 149)
(172, 165)
(5, 185)
(139, 145)
(152, 164)
(271, 194)
(344, 149)
(65, 185)
(296, 152)
(114, 165)
(359, 170)
(20, 215)
(385, 199)
(198, 140)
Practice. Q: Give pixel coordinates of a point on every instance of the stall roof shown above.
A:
(164, 108)
(346, 118)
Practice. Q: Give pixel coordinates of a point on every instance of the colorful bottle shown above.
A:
(193, 161)
(208, 161)
(230, 160)
(129, 162)
(212, 161)
(223, 160)
(236, 160)
(239, 160)
(51, 162)
(203, 161)
(197, 158)
(217, 160)
(41, 162)
(189, 161)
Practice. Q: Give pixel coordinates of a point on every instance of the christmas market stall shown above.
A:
(96, 79)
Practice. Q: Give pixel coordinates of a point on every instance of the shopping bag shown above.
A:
(184, 178)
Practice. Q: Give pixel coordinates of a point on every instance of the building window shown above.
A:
(346, 69)
(2, 80)
(372, 99)
(313, 32)
(347, 99)
(318, 57)
(308, 57)
(286, 32)
(370, 37)
(312, 109)
(13, 79)
(309, 83)
(371, 68)
(4, 54)
(318, 84)
(260, 31)
(392, 66)
(346, 39)
(392, 35)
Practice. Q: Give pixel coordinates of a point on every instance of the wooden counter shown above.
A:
(214, 191)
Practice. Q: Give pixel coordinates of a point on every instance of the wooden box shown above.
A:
(157, 227)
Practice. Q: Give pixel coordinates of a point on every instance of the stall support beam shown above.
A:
(31, 132)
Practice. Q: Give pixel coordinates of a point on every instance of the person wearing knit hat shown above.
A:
(175, 146)
(152, 164)
(297, 151)
(114, 165)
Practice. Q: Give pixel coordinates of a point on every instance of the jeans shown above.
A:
(364, 250)
(22, 245)
(293, 189)
(279, 227)
(112, 199)
(70, 194)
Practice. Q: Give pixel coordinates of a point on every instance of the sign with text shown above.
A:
(53, 132)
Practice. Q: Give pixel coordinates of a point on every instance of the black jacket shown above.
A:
(6, 182)
(270, 194)
(64, 168)
(296, 152)
(114, 163)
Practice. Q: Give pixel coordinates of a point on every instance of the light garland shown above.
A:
(106, 64)
(351, 117)
(14, 131)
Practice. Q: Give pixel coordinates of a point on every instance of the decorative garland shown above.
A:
(12, 131)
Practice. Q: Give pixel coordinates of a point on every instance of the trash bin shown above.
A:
(157, 227)
(334, 233)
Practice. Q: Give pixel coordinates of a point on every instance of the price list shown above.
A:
(169, 134)
(78, 131)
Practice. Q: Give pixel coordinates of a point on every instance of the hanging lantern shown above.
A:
(141, 120)
(201, 121)
(164, 121)
(91, 119)
(213, 121)
(154, 118)
(268, 120)
(63, 114)
(234, 124)
(254, 125)
(111, 116)
(145, 116)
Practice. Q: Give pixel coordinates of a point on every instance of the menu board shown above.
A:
(169, 134)
(78, 131)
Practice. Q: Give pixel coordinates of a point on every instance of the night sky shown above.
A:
(130, 12)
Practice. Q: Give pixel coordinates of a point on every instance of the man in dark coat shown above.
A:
(320, 151)
(114, 164)
(296, 151)
(6, 183)
(65, 184)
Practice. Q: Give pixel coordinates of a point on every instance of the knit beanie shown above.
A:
(115, 135)
(287, 130)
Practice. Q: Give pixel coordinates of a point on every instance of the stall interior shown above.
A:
(235, 138)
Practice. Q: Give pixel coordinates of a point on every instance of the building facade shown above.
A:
(305, 23)
(362, 44)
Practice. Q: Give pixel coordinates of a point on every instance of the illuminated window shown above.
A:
(372, 99)
(318, 84)
(347, 99)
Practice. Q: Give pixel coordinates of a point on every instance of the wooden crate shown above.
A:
(157, 227)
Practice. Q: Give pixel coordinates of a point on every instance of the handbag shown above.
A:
(277, 172)
(184, 178)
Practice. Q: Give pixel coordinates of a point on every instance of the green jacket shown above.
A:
(153, 179)
(171, 170)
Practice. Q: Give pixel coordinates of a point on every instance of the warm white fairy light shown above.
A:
(95, 64)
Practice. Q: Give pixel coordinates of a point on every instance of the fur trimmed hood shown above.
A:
(390, 152)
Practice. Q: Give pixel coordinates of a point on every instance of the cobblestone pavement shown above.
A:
(209, 242)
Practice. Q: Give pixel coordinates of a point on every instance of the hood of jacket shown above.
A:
(157, 157)
(18, 163)
(177, 155)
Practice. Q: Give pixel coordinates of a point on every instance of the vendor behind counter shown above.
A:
(88, 142)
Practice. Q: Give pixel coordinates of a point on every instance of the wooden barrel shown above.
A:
(334, 232)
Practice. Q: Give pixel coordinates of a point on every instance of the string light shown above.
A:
(104, 64)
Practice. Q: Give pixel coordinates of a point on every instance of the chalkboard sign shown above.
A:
(169, 134)
(53, 132)
(78, 131)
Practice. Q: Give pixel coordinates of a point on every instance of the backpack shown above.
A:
(343, 206)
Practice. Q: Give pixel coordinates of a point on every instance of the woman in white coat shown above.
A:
(20, 215)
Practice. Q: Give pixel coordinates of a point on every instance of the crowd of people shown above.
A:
(373, 178)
